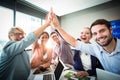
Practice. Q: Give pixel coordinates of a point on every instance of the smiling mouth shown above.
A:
(83, 38)
(102, 40)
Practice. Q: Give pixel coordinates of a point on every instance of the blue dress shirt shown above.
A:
(109, 61)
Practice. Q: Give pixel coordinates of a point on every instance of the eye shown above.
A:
(87, 33)
(103, 30)
(81, 32)
(18, 34)
(94, 34)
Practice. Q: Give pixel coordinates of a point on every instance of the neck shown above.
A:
(111, 47)
(58, 43)
(44, 48)
(43, 45)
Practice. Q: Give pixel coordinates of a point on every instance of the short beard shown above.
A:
(108, 42)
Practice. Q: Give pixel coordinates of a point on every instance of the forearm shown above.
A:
(67, 37)
(38, 31)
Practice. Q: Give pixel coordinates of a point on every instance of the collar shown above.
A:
(117, 49)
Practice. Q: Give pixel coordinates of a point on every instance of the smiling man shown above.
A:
(106, 48)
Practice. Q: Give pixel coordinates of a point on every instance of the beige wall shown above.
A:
(72, 23)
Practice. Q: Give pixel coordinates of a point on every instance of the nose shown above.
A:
(98, 35)
(21, 36)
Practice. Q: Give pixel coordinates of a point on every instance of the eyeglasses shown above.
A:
(18, 34)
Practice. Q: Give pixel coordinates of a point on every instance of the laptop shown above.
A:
(57, 73)
(105, 75)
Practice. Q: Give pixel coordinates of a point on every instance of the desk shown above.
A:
(40, 76)
(63, 74)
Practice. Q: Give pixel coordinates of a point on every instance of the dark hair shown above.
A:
(56, 32)
(53, 33)
(101, 22)
(45, 33)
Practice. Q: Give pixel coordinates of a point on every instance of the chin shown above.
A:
(103, 45)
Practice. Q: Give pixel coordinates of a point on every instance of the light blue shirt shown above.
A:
(14, 61)
(110, 61)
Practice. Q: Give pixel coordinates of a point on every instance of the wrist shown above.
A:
(47, 23)
(57, 27)
(87, 74)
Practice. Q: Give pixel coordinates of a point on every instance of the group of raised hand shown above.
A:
(51, 19)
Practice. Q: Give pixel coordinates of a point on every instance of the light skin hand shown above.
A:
(54, 21)
(81, 74)
(65, 35)
(38, 31)
(48, 19)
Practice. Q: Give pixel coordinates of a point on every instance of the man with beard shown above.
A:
(106, 48)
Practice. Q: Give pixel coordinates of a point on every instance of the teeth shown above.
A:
(101, 39)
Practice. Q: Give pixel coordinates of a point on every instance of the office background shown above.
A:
(14, 11)
(72, 23)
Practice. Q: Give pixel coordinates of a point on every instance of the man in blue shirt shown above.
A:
(14, 61)
(106, 48)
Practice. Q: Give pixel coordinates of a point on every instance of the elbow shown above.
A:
(74, 43)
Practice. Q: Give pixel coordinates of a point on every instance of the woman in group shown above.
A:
(42, 55)
(85, 64)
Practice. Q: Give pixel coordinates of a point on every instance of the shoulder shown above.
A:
(6, 48)
(8, 44)
(118, 44)
(118, 40)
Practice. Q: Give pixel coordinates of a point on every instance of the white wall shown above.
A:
(73, 22)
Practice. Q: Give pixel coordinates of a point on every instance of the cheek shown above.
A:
(89, 36)
(12, 38)
(45, 40)
(80, 36)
